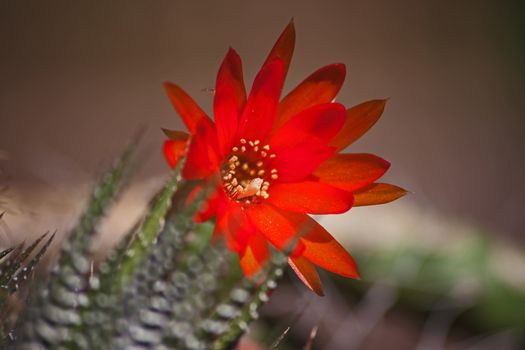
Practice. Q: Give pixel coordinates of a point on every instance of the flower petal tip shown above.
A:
(382, 103)
(175, 135)
(168, 84)
(387, 164)
(401, 192)
(378, 193)
(290, 28)
(341, 67)
(284, 46)
(404, 192)
(232, 51)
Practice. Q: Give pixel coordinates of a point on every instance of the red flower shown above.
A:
(275, 162)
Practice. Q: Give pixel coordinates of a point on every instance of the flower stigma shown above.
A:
(247, 173)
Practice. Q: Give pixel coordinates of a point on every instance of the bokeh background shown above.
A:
(77, 79)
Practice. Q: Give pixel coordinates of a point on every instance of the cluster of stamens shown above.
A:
(245, 175)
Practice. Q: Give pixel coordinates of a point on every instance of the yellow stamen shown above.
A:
(244, 174)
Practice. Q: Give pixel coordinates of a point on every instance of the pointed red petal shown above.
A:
(323, 250)
(378, 193)
(310, 197)
(255, 255)
(306, 271)
(229, 100)
(351, 171)
(187, 108)
(321, 122)
(296, 163)
(260, 111)
(173, 151)
(277, 229)
(282, 227)
(233, 224)
(301, 144)
(283, 48)
(320, 87)
(359, 119)
(202, 160)
(176, 135)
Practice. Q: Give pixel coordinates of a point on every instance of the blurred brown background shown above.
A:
(77, 78)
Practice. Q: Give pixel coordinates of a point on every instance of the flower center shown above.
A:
(248, 173)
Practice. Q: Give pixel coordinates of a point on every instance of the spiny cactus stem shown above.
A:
(147, 235)
(25, 272)
(250, 311)
(4, 253)
(66, 285)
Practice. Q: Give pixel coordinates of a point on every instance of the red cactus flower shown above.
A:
(276, 161)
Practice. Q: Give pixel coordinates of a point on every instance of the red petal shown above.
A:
(320, 87)
(378, 193)
(233, 224)
(229, 100)
(306, 271)
(187, 108)
(255, 255)
(202, 160)
(283, 48)
(259, 114)
(296, 163)
(323, 250)
(310, 197)
(351, 171)
(282, 227)
(275, 227)
(173, 151)
(321, 122)
(209, 210)
(359, 119)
